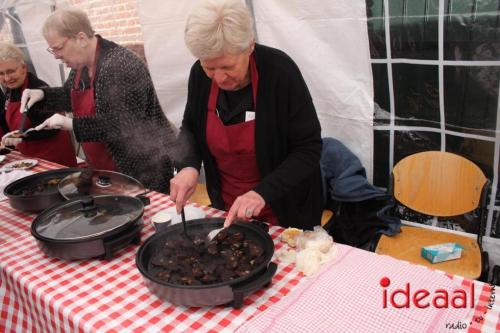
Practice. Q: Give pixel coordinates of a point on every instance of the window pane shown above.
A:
(478, 151)
(414, 29)
(471, 99)
(410, 142)
(376, 28)
(416, 96)
(381, 94)
(471, 30)
(381, 158)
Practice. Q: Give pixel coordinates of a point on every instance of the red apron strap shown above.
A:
(233, 148)
(78, 74)
(83, 104)
(212, 98)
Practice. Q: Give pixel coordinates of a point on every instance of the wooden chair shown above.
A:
(439, 184)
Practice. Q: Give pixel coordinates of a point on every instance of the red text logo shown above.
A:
(423, 298)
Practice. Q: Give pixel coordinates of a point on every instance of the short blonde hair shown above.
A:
(67, 22)
(10, 52)
(217, 27)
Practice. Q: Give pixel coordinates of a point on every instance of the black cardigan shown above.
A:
(128, 120)
(287, 139)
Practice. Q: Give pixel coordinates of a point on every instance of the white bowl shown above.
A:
(161, 220)
(190, 211)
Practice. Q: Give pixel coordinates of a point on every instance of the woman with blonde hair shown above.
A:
(250, 119)
(53, 145)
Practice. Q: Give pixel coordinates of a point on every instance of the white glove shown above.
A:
(57, 121)
(30, 97)
(10, 140)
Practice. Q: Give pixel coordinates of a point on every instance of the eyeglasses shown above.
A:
(56, 49)
(9, 72)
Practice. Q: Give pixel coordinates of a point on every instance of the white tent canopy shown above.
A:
(32, 14)
(328, 41)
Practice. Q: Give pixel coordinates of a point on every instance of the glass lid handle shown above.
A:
(103, 181)
(88, 206)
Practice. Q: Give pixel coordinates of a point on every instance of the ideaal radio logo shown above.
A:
(401, 298)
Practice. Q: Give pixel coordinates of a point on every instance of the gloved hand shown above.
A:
(11, 140)
(30, 97)
(57, 121)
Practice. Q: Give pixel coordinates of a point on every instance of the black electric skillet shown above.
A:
(37, 192)
(230, 292)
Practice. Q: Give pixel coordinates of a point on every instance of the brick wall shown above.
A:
(116, 20)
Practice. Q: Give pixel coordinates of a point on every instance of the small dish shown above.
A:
(20, 164)
(161, 220)
(191, 213)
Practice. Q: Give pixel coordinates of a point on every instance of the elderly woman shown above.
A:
(54, 145)
(117, 117)
(250, 119)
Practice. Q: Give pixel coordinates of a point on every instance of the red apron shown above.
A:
(83, 104)
(233, 148)
(58, 148)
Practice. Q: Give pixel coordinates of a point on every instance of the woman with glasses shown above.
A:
(53, 145)
(251, 121)
(117, 117)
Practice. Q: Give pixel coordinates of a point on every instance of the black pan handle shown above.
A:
(241, 290)
(144, 199)
(115, 244)
(263, 225)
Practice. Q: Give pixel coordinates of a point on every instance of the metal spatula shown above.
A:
(211, 235)
(25, 133)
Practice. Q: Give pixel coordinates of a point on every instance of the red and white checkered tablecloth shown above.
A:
(354, 293)
(43, 294)
(13, 223)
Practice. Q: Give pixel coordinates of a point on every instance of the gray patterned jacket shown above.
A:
(128, 119)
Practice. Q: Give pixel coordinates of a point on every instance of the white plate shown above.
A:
(2, 158)
(20, 164)
(191, 213)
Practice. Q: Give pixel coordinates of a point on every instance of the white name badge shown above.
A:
(249, 115)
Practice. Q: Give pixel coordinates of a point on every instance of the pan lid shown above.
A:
(87, 217)
(98, 182)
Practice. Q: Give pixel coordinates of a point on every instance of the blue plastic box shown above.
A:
(442, 252)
